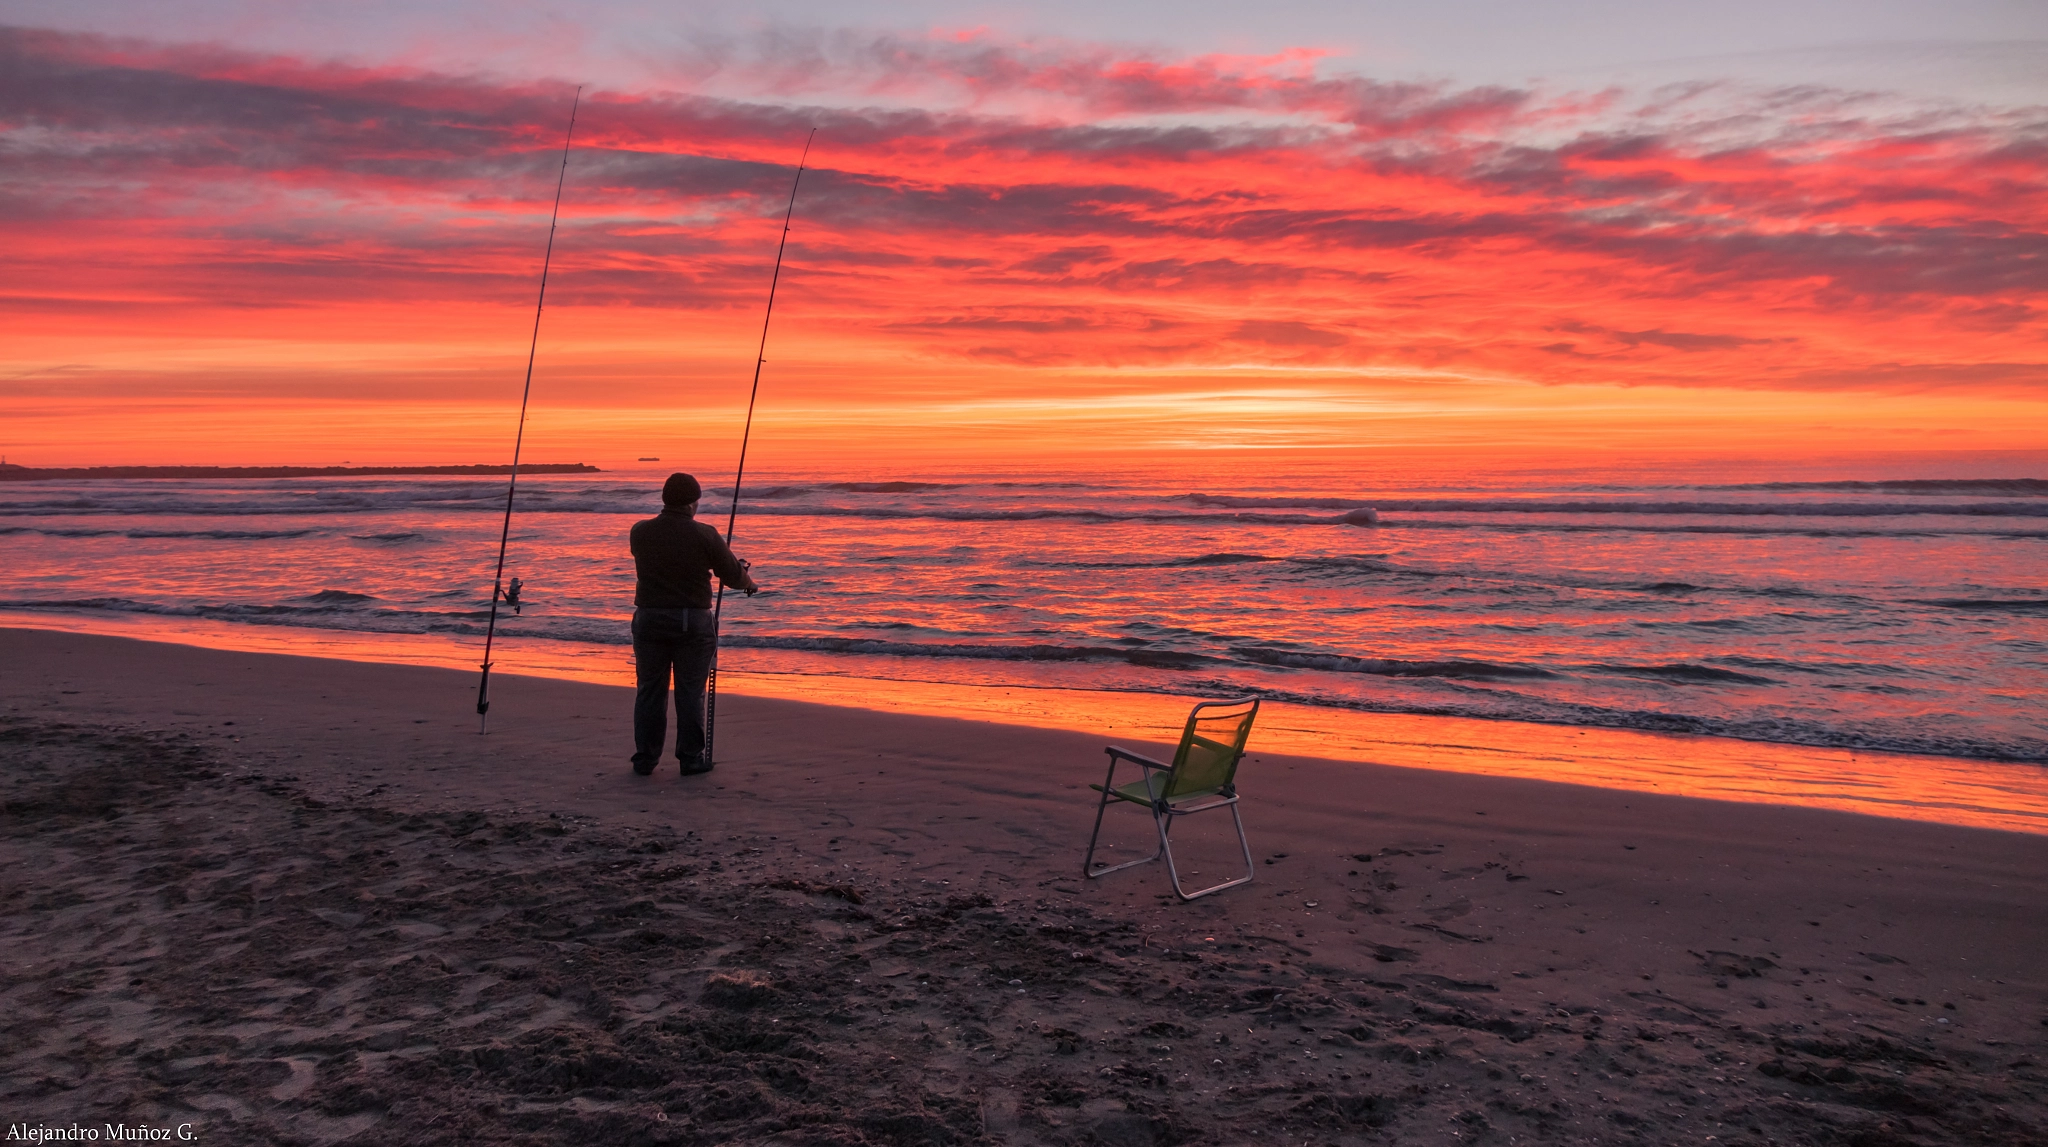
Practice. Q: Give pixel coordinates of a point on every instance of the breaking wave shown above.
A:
(1949, 487)
(1988, 604)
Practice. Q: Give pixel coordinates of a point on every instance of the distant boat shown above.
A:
(650, 459)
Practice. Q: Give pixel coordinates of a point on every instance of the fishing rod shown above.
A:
(746, 433)
(499, 590)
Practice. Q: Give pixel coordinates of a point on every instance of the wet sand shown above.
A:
(289, 900)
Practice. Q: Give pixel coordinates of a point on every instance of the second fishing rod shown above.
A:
(746, 436)
(501, 592)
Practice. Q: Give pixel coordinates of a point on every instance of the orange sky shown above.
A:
(1000, 250)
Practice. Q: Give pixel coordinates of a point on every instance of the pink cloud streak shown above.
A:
(1059, 204)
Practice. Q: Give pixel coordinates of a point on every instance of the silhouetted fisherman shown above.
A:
(674, 556)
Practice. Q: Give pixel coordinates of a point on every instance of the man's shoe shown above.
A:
(692, 768)
(640, 770)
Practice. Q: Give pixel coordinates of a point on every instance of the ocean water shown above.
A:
(1908, 615)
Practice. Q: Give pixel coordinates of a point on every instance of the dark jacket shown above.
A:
(674, 556)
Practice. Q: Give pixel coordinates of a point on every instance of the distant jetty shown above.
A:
(12, 473)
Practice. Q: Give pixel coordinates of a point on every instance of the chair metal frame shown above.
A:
(1159, 779)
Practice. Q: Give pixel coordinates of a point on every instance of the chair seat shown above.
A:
(1137, 793)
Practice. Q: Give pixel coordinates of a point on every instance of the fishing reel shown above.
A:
(747, 567)
(510, 594)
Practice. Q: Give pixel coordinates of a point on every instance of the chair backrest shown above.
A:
(1211, 746)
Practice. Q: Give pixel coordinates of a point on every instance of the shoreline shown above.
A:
(287, 898)
(2009, 795)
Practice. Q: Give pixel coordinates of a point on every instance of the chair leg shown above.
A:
(1250, 869)
(1088, 868)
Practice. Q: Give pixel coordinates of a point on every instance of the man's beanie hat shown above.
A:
(680, 490)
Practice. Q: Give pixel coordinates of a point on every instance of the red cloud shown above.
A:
(1055, 204)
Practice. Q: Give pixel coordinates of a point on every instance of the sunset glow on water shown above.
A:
(1837, 617)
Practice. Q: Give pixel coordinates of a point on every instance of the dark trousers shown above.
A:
(678, 643)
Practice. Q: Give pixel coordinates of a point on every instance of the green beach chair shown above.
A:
(1203, 776)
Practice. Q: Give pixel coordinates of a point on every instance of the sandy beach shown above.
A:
(284, 900)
